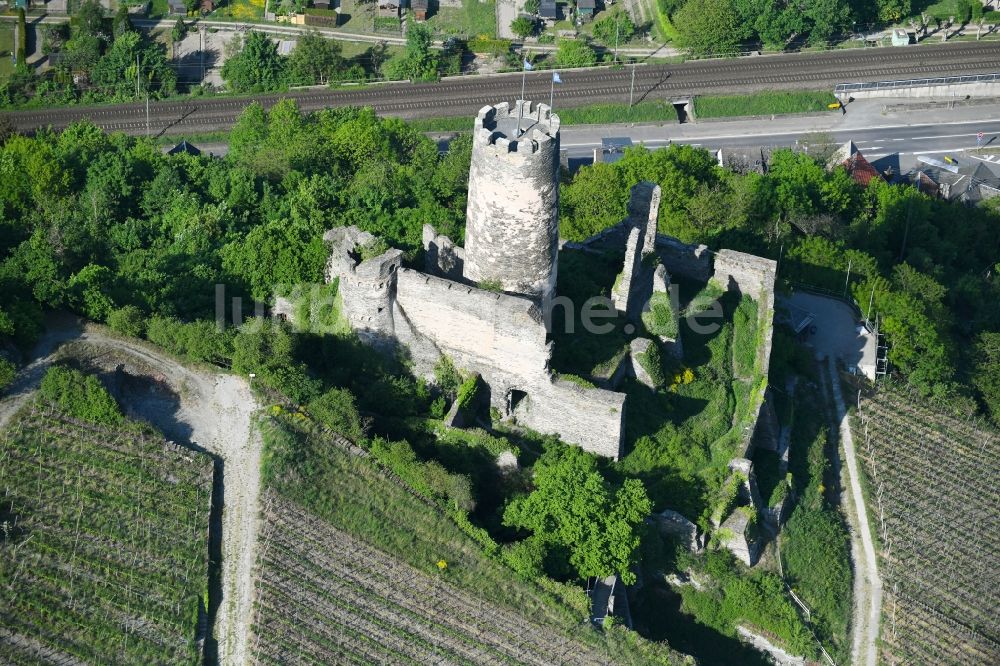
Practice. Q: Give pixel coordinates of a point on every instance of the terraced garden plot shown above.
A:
(935, 504)
(324, 597)
(105, 555)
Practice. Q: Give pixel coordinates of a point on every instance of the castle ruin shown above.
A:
(484, 305)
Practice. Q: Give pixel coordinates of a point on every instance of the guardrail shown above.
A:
(917, 83)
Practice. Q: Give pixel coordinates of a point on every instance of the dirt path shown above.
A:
(218, 410)
(867, 584)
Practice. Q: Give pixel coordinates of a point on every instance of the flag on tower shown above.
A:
(555, 77)
(527, 65)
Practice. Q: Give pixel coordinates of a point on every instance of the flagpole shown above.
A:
(520, 107)
(552, 90)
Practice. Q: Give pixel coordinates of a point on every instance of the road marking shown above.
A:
(941, 136)
(935, 152)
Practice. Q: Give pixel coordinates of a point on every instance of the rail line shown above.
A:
(464, 95)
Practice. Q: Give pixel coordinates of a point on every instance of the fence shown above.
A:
(916, 83)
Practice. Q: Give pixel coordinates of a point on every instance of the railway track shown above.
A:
(463, 96)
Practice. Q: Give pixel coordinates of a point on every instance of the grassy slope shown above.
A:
(354, 495)
(762, 104)
(6, 48)
(111, 524)
(814, 543)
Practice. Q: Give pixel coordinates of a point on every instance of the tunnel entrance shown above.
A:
(684, 109)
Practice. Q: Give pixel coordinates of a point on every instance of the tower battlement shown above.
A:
(497, 126)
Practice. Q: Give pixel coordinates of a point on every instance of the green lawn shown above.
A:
(472, 19)
(762, 104)
(6, 47)
(158, 8)
(941, 10)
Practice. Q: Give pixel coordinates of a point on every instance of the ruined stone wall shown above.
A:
(366, 288)
(689, 261)
(593, 418)
(750, 273)
(621, 293)
(441, 256)
(503, 338)
(481, 330)
(512, 217)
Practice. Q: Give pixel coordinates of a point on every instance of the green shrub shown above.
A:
(526, 557)
(376, 248)
(7, 372)
(128, 320)
(758, 598)
(491, 285)
(660, 320)
(79, 395)
(439, 407)
(199, 340)
(577, 379)
(992, 17)
(745, 337)
(652, 362)
(267, 349)
(467, 392)
(336, 410)
(447, 376)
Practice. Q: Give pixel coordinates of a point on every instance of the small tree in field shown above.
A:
(522, 26)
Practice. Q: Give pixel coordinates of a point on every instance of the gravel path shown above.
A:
(867, 584)
(218, 409)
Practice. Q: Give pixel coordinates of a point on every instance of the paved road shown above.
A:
(906, 131)
(464, 95)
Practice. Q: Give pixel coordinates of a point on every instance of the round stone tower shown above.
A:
(512, 219)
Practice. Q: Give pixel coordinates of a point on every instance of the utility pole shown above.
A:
(847, 281)
(631, 90)
(147, 114)
(137, 77)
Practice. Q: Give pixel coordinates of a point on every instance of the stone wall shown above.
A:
(480, 330)
(591, 417)
(693, 262)
(441, 256)
(503, 338)
(367, 287)
(753, 276)
(512, 217)
(621, 293)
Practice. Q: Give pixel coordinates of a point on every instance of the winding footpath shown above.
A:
(218, 408)
(867, 583)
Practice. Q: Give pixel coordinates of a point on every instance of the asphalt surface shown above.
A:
(941, 138)
(465, 95)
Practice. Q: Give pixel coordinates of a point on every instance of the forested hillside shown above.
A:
(929, 268)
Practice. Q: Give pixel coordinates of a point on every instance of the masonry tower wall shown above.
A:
(512, 218)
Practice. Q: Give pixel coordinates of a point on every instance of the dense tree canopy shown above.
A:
(254, 64)
(575, 53)
(573, 508)
(721, 26)
(97, 222)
